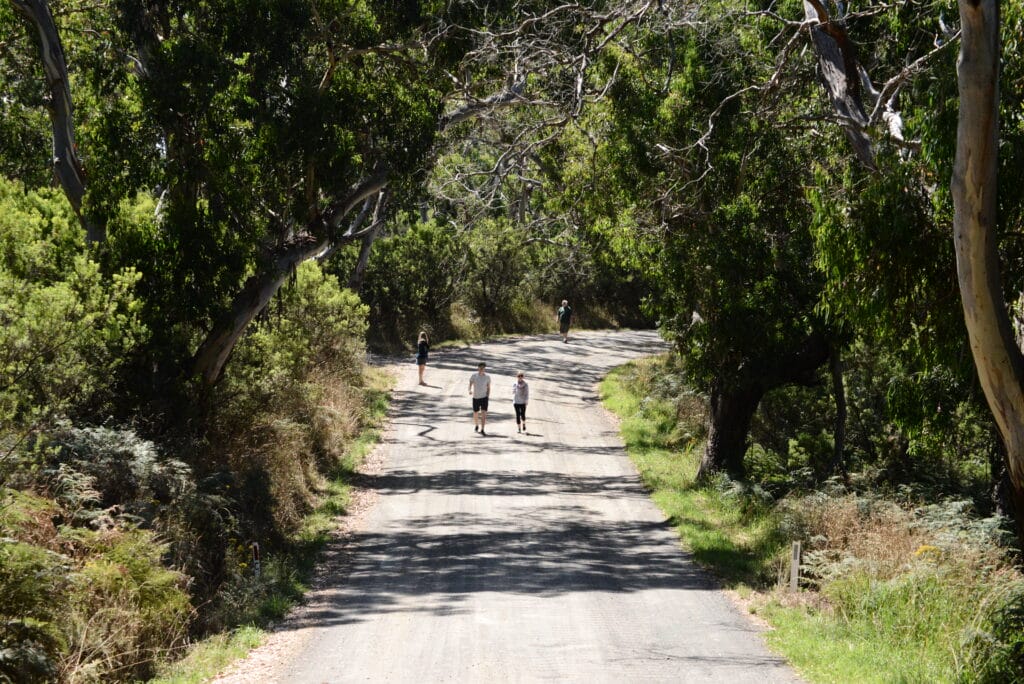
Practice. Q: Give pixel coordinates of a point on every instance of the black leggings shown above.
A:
(520, 413)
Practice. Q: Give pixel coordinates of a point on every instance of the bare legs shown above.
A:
(422, 367)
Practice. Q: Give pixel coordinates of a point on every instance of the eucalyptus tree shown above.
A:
(883, 237)
(976, 199)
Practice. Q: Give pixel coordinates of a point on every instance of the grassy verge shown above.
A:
(288, 577)
(896, 600)
(731, 535)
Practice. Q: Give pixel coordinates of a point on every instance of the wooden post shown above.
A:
(794, 568)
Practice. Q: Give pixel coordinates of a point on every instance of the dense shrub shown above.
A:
(412, 281)
(83, 604)
(289, 400)
(64, 326)
(916, 433)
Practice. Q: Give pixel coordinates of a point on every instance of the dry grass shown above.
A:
(876, 533)
(337, 417)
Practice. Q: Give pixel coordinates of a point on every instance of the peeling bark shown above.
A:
(67, 167)
(998, 359)
(838, 68)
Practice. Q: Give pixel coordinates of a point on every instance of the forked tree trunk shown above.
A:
(974, 189)
(213, 354)
(732, 409)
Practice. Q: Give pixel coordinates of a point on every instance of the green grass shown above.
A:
(210, 656)
(934, 622)
(737, 542)
(291, 574)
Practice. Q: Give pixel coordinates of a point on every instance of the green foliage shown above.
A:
(412, 280)
(33, 599)
(497, 283)
(127, 609)
(65, 328)
(80, 604)
(921, 436)
(96, 470)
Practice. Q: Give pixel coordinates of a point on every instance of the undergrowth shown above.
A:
(891, 589)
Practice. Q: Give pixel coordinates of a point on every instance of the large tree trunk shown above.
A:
(67, 167)
(733, 404)
(213, 354)
(731, 412)
(974, 188)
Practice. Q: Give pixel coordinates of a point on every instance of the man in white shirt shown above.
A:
(480, 390)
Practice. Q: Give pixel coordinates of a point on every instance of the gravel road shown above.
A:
(508, 557)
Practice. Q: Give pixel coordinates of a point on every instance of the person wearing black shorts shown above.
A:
(480, 390)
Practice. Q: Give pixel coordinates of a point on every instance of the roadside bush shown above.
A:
(288, 397)
(127, 610)
(994, 648)
(127, 477)
(33, 599)
(78, 604)
(64, 327)
(917, 432)
(413, 279)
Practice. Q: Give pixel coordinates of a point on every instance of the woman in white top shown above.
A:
(520, 397)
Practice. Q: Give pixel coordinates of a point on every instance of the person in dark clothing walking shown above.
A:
(564, 317)
(422, 348)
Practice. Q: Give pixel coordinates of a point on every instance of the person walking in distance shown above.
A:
(422, 347)
(520, 397)
(564, 317)
(480, 390)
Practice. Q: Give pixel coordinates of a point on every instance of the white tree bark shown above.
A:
(67, 167)
(998, 359)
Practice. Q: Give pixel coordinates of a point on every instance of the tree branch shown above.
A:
(67, 167)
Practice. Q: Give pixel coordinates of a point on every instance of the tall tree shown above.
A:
(717, 168)
(975, 189)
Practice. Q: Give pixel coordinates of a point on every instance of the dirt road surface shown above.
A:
(509, 557)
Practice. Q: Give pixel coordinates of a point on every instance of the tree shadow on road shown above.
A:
(549, 551)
